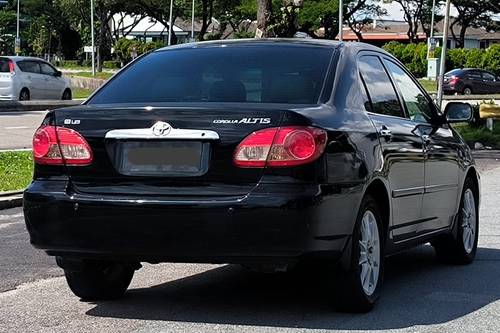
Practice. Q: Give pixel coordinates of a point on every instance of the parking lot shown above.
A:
(420, 294)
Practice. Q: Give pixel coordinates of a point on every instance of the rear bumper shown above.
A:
(286, 224)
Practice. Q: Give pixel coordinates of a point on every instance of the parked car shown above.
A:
(264, 153)
(469, 81)
(27, 78)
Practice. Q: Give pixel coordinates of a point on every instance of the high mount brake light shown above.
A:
(280, 147)
(54, 145)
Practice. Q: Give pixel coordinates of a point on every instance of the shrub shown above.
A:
(457, 58)
(474, 58)
(111, 65)
(491, 59)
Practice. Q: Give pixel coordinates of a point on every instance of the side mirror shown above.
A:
(457, 112)
(58, 74)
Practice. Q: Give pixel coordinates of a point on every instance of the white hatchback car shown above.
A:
(25, 78)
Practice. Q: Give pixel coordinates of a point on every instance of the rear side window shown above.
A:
(488, 77)
(29, 66)
(380, 89)
(474, 75)
(4, 65)
(245, 74)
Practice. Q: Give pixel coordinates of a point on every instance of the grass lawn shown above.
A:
(481, 134)
(429, 85)
(16, 170)
(98, 75)
(81, 93)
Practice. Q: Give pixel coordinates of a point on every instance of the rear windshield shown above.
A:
(245, 74)
(4, 65)
(454, 72)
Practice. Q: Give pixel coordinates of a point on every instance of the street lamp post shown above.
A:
(341, 19)
(192, 23)
(443, 54)
(170, 25)
(92, 35)
(18, 41)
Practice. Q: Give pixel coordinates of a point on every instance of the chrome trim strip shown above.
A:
(175, 133)
(438, 188)
(408, 191)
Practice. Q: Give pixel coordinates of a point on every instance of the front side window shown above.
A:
(382, 94)
(244, 74)
(29, 67)
(417, 104)
(46, 69)
(488, 77)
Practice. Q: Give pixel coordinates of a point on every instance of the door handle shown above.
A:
(386, 133)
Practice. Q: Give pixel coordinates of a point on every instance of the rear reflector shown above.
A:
(280, 147)
(59, 145)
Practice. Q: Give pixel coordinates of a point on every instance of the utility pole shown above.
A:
(432, 28)
(18, 40)
(442, 66)
(192, 23)
(341, 20)
(92, 34)
(170, 25)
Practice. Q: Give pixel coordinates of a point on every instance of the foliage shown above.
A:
(414, 57)
(16, 170)
(7, 31)
(483, 135)
(124, 48)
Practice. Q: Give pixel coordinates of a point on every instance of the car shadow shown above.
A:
(418, 290)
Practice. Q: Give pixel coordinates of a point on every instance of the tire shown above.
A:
(355, 294)
(66, 96)
(461, 249)
(467, 91)
(100, 280)
(24, 95)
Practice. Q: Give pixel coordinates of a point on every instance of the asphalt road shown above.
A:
(420, 294)
(17, 128)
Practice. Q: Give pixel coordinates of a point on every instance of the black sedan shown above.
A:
(264, 153)
(469, 81)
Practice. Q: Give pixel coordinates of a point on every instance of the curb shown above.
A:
(11, 199)
(9, 106)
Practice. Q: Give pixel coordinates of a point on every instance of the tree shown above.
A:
(264, 14)
(363, 16)
(7, 31)
(413, 12)
(475, 14)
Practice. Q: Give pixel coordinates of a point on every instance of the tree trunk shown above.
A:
(264, 11)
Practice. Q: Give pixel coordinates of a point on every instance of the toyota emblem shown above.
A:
(161, 128)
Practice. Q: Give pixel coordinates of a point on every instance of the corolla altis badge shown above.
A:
(243, 121)
(161, 128)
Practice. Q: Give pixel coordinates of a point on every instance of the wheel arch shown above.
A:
(379, 192)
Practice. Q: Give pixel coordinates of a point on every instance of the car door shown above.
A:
(402, 148)
(53, 85)
(490, 83)
(476, 82)
(32, 78)
(441, 152)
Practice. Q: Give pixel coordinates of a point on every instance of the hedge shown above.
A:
(414, 57)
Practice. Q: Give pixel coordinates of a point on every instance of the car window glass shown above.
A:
(474, 75)
(4, 65)
(383, 96)
(417, 104)
(243, 74)
(488, 77)
(47, 69)
(29, 66)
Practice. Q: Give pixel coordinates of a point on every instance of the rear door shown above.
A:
(476, 82)
(441, 149)
(32, 78)
(490, 83)
(402, 148)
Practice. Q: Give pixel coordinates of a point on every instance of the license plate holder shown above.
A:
(166, 158)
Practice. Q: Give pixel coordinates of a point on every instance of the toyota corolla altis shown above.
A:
(264, 153)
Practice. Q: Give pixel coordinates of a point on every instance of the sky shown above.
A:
(395, 12)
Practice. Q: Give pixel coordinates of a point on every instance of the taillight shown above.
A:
(280, 147)
(453, 80)
(59, 145)
(12, 69)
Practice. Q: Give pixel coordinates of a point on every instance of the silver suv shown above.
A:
(25, 78)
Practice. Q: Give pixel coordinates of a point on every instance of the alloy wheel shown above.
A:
(369, 257)
(469, 221)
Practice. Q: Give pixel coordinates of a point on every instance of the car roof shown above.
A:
(20, 58)
(274, 41)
